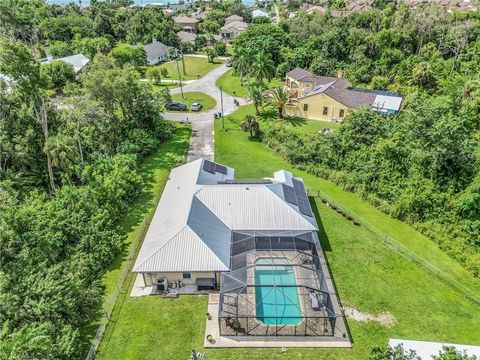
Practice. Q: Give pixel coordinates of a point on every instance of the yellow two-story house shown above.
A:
(332, 98)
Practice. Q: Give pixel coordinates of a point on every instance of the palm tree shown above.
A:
(256, 96)
(240, 63)
(61, 149)
(263, 67)
(251, 125)
(279, 97)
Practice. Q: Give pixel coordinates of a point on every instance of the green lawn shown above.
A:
(231, 84)
(195, 97)
(196, 67)
(268, 118)
(164, 85)
(369, 276)
(154, 171)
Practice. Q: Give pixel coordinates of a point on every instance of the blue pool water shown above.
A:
(276, 305)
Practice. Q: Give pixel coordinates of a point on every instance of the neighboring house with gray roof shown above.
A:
(156, 52)
(332, 98)
(78, 61)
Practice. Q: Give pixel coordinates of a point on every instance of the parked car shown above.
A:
(175, 105)
(196, 107)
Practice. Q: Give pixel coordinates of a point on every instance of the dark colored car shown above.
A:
(176, 106)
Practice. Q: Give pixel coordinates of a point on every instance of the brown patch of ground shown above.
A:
(385, 319)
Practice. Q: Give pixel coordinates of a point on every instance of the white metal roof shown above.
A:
(192, 225)
(247, 207)
(385, 102)
(427, 349)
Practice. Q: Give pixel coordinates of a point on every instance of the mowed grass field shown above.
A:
(154, 171)
(195, 97)
(231, 84)
(369, 276)
(195, 67)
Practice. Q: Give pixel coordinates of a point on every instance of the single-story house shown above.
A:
(156, 52)
(188, 24)
(78, 61)
(332, 98)
(233, 27)
(260, 13)
(212, 231)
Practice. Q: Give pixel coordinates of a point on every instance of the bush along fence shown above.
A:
(397, 246)
(119, 288)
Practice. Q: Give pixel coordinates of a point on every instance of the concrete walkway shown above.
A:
(201, 142)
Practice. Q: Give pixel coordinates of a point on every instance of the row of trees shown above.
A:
(68, 170)
(422, 165)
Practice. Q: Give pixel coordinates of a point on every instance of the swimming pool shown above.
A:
(276, 305)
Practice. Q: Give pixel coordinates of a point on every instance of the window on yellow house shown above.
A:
(325, 110)
(305, 107)
(341, 113)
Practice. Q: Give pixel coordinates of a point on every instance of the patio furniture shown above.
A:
(205, 283)
(314, 301)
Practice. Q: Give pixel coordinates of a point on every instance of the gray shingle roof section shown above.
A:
(192, 225)
(156, 50)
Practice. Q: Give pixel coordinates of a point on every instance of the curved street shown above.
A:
(201, 142)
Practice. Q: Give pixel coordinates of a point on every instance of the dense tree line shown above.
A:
(69, 151)
(422, 165)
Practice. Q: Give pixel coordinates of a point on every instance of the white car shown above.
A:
(196, 107)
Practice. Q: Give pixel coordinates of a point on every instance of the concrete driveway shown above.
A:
(201, 142)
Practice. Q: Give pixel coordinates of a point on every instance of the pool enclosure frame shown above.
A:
(277, 250)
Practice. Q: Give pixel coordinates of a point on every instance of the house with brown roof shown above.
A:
(188, 24)
(234, 26)
(330, 98)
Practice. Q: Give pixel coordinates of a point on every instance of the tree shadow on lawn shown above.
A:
(169, 154)
(270, 113)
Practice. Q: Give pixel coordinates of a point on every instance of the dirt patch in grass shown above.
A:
(385, 319)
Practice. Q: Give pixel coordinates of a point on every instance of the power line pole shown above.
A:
(179, 78)
(221, 102)
(183, 60)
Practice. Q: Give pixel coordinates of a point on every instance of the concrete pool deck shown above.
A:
(212, 328)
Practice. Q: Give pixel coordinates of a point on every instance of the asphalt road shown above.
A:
(202, 140)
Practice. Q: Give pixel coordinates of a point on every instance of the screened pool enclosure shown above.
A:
(277, 287)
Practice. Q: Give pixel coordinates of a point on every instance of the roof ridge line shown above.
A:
(296, 212)
(161, 247)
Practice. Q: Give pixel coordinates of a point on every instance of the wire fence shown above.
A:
(111, 301)
(398, 247)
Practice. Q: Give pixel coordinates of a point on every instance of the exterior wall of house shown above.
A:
(318, 107)
(193, 25)
(298, 88)
(152, 278)
(230, 33)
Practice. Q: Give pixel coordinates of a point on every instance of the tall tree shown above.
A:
(263, 67)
